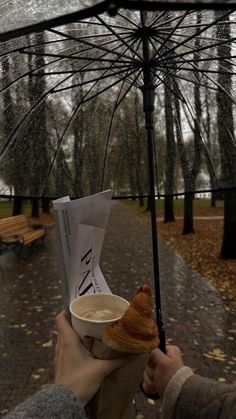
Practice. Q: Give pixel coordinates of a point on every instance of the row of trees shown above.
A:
(223, 131)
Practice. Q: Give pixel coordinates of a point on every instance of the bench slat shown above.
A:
(17, 228)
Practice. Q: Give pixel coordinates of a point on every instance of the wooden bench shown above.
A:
(17, 230)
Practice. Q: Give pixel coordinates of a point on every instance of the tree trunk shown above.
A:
(148, 206)
(188, 214)
(226, 137)
(213, 200)
(45, 206)
(35, 208)
(171, 155)
(169, 215)
(17, 206)
(141, 202)
(228, 249)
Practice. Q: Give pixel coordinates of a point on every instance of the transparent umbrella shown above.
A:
(71, 95)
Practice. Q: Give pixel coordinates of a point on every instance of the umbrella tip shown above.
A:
(112, 9)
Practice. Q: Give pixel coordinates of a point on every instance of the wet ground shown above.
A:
(196, 316)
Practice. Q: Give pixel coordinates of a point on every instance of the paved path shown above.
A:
(195, 315)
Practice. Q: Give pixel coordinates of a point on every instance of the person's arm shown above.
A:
(186, 395)
(53, 401)
(204, 398)
(78, 376)
(166, 374)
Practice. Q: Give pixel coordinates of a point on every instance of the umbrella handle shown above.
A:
(162, 347)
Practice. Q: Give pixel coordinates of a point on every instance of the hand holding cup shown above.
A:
(75, 367)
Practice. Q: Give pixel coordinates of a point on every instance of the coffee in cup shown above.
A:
(91, 313)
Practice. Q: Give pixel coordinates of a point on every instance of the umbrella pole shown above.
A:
(148, 106)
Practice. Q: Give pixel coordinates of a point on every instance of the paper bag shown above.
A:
(115, 396)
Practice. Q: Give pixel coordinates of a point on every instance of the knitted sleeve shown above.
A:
(52, 402)
(173, 390)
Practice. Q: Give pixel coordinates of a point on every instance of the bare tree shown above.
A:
(170, 160)
(226, 138)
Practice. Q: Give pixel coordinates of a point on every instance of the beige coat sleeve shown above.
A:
(172, 392)
(190, 396)
(202, 398)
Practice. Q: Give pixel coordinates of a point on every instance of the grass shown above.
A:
(198, 204)
(6, 208)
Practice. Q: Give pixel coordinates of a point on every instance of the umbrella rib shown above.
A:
(99, 92)
(130, 87)
(83, 101)
(128, 20)
(201, 38)
(108, 68)
(193, 36)
(134, 82)
(219, 86)
(188, 117)
(100, 47)
(15, 50)
(198, 25)
(192, 81)
(98, 35)
(194, 50)
(172, 32)
(29, 73)
(53, 73)
(163, 13)
(21, 51)
(10, 138)
(100, 24)
(196, 69)
(169, 88)
(115, 74)
(203, 48)
(117, 104)
(68, 124)
(109, 27)
(171, 19)
(225, 59)
(188, 105)
(128, 35)
(82, 69)
(199, 59)
(71, 57)
(108, 135)
(199, 70)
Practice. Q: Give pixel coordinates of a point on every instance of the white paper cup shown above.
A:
(87, 327)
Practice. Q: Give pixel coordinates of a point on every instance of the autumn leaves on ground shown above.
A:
(202, 249)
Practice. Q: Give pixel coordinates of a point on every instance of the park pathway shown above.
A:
(195, 315)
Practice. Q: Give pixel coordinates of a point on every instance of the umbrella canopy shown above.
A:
(55, 86)
(20, 17)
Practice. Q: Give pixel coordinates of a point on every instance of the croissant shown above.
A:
(136, 331)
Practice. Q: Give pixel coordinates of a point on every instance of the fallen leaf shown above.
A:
(216, 354)
(47, 344)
